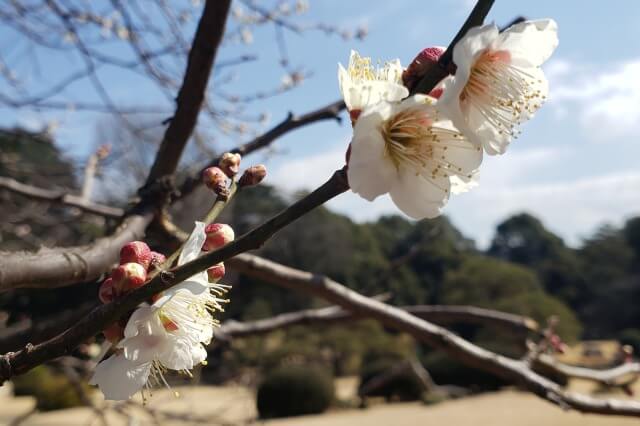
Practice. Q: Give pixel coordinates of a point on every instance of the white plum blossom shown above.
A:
(411, 151)
(170, 334)
(362, 85)
(498, 83)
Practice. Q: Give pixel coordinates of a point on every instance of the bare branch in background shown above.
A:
(515, 371)
(59, 197)
(192, 93)
(23, 360)
(290, 123)
(336, 314)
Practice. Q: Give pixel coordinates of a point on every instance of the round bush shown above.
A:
(294, 391)
(402, 386)
(52, 391)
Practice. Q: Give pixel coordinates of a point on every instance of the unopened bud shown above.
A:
(114, 333)
(253, 175)
(420, 65)
(106, 292)
(157, 259)
(215, 179)
(136, 252)
(128, 277)
(218, 235)
(216, 272)
(230, 164)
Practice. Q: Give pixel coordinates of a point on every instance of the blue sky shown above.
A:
(575, 165)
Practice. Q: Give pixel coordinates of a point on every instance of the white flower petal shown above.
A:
(144, 348)
(176, 354)
(471, 46)
(198, 354)
(143, 320)
(197, 284)
(460, 185)
(530, 42)
(193, 245)
(119, 378)
(370, 173)
(420, 197)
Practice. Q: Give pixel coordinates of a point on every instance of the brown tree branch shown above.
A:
(19, 334)
(290, 123)
(621, 375)
(445, 63)
(515, 371)
(59, 197)
(23, 360)
(191, 95)
(64, 266)
(336, 314)
(77, 264)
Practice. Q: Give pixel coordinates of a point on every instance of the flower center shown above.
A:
(502, 92)
(414, 138)
(361, 69)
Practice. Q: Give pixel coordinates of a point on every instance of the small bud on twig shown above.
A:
(216, 272)
(253, 175)
(128, 277)
(105, 293)
(230, 164)
(218, 235)
(136, 252)
(420, 65)
(215, 179)
(157, 259)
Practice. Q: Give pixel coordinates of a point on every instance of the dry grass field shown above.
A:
(234, 405)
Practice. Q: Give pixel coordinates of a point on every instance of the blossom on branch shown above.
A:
(363, 86)
(498, 83)
(411, 151)
(169, 334)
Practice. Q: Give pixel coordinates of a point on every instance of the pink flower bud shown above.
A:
(216, 272)
(157, 259)
(253, 175)
(218, 235)
(128, 277)
(215, 179)
(136, 252)
(106, 292)
(114, 333)
(420, 65)
(230, 164)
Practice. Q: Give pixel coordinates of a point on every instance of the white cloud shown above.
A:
(572, 209)
(607, 101)
(307, 172)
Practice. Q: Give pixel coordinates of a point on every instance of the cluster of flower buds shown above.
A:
(216, 178)
(218, 235)
(137, 261)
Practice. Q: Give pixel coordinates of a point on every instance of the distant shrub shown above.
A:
(294, 390)
(446, 371)
(52, 391)
(401, 385)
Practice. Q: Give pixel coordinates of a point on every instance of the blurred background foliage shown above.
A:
(593, 289)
